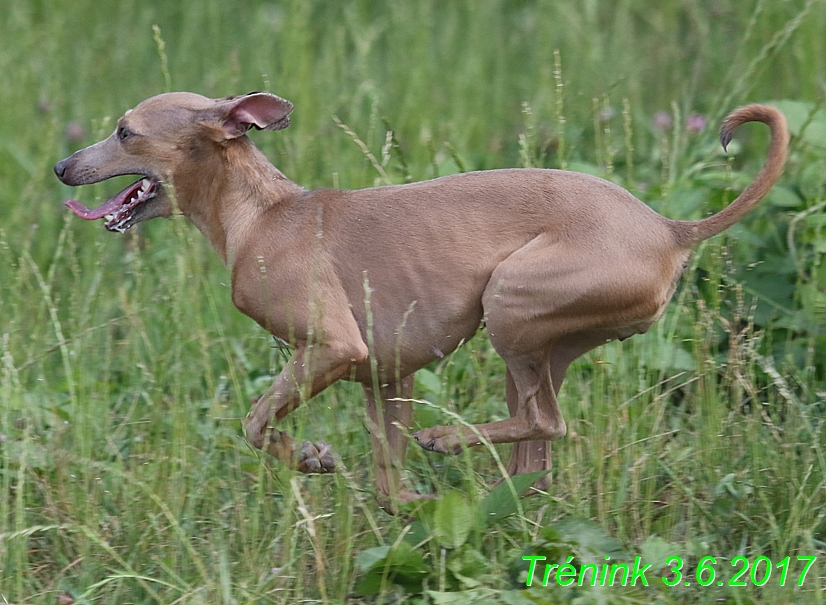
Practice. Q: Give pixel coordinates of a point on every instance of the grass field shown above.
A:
(125, 370)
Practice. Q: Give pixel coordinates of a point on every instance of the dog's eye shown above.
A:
(124, 133)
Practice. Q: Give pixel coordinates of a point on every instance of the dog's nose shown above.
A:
(60, 169)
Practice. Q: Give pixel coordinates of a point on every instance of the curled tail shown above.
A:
(689, 233)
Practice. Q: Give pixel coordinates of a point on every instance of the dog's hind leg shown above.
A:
(533, 456)
(545, 305)
(537, 416)
(526, 456)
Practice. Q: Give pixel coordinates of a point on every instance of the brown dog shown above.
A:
(371, 285)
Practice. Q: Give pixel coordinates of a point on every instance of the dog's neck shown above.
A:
(233, 189)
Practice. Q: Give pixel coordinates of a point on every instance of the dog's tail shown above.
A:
(689, 233)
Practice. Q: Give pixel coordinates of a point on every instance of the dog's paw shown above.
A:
(281, 446)
(315, 458)
(441, 439)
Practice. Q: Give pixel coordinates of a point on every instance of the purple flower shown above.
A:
(75, 132)
(662, 120)
(696, 122)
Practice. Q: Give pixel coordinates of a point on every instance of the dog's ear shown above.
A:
(261, 110)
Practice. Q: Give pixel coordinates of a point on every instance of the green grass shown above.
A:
(125, 371)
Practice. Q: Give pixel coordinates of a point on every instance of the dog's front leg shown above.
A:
(390, 416)
(310, 370)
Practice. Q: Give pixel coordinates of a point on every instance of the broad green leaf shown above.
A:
(453, 519)
(797, 114)
(500, 503)
(656, 552)
(784, 197)
(589, 535)
(416, 534)
(403, 566)
(367, 558)
(467, 565)
(428, 381)
(811, 181)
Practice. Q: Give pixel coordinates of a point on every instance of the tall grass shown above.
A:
(125, 370)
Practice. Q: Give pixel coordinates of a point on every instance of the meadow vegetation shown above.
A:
(125, 370)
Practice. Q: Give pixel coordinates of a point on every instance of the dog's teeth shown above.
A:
(109, 217)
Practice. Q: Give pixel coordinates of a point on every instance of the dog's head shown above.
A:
(156, 139)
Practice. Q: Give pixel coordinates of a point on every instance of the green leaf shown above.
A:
(811, 180)
(797, 114)
(784, 197)
(367, 558)
(417, 533)
(453, 519)
(656, 552)
(588, 535)
(429, 382)
(500, 502)
(467, 565)
(403, 566)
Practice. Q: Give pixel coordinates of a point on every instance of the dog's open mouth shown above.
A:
(119, 210)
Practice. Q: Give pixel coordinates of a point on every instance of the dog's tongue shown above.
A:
(110, 207)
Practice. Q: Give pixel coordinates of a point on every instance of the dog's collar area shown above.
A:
(118, 211)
